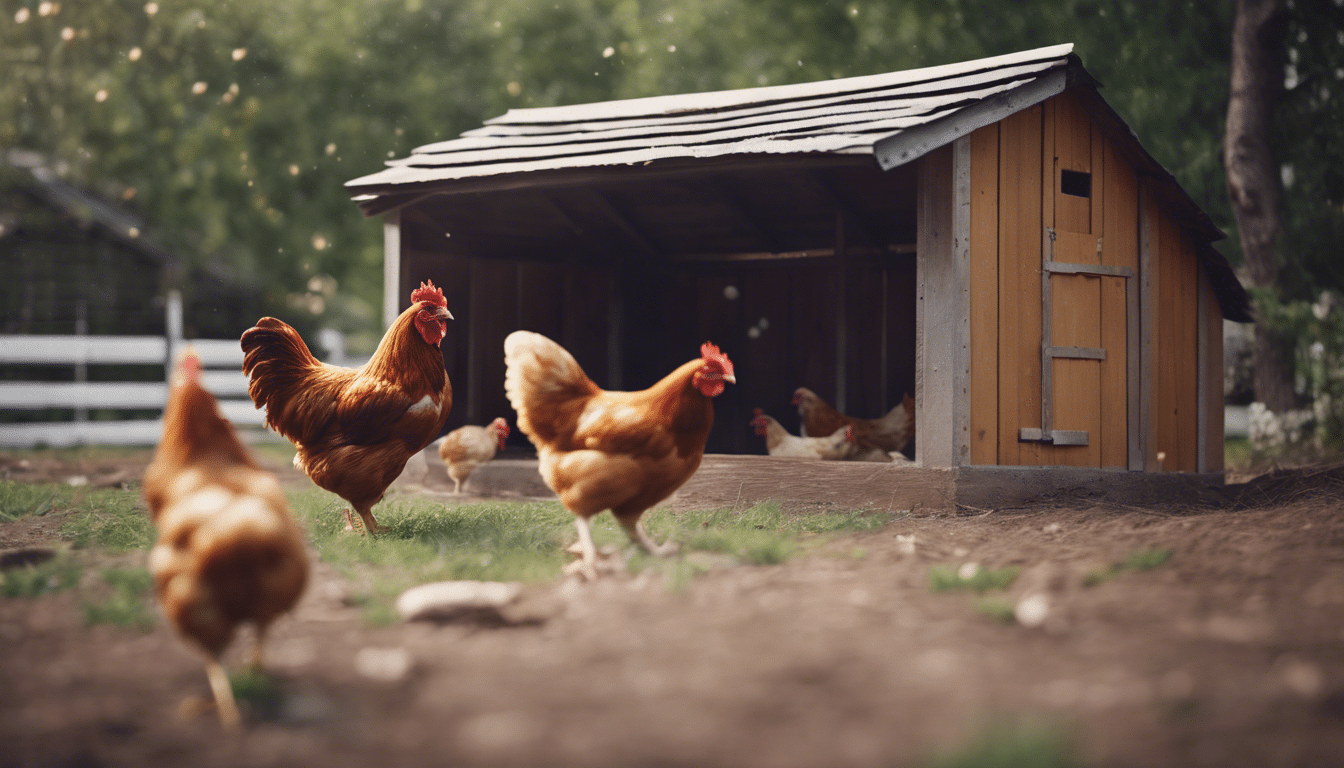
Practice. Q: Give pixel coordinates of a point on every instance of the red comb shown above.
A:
(427, 292)
(757, 412)
(710, 352)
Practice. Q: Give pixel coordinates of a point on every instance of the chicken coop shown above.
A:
(987, 236)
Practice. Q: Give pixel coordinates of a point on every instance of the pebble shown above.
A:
(447, 600)
(1032, 610)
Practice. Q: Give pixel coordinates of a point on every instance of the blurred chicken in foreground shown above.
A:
(466, 448)
(599, 450)
(228, 552)
(778, 442)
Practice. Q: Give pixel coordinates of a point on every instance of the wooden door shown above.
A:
(1088, 296)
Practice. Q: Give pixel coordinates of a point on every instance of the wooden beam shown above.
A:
(913, 144)
(391, 267)
(851, 252)
(841, 315)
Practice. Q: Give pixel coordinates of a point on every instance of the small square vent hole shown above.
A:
(1076, 183)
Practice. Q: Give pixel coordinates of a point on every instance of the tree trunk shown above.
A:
(1253, 176)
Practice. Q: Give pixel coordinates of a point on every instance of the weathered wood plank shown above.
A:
(1049, 196)
(941, 298)
(984, 264)
(1149, 319)
(1019, 283)
(1211, 378)
(1073, 152)
(1188, 357)
(1119, 324)
(1168, 344)
(1076, 322)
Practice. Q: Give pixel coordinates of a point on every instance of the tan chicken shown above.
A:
(228, 551)
(875, 438)
(599, 450)
(778, 442)
(466, 448)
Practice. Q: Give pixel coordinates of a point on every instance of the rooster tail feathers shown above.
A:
(277, 360)
(538, 373)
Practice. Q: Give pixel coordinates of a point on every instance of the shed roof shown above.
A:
(894, 118)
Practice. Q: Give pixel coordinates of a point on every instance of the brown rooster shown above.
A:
(623, 451)
(228, 552)
(356, 427)
(875, 438)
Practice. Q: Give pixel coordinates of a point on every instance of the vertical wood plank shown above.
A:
(959, 292)
(1188, 357)
(1049, 194)
(1168, 343)
(1073, 151)
(984, 258)
(1020, 234)
(494, 291)
(1211, 353)
(1076, 322)
(941, 317)
(392, 292)
(1149, 284)
(1119, 321)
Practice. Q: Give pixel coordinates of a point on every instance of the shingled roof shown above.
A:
(895, 118)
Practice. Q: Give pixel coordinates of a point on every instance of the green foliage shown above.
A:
(1314, 331)
(22, 499)
(1020, 745)
(128, 605)
(259, 692)
(946, 578)
(32, 581)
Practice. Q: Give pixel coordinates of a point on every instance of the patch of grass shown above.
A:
(945, 578)
(259, 692)
(129, 603)
(425, 541)
(1022, 745)
(1237, 453)
(1144, 559)
(996, 608)
(22, 499)
(32, 581)
(109, 518)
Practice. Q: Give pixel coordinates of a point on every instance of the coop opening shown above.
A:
(1076, 183)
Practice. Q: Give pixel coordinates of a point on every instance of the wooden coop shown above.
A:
(988, 236)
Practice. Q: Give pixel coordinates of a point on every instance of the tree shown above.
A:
(1253, 179)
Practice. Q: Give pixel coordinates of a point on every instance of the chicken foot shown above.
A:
(370, 526)
(254, 660)
(223, 690)
(635, 530)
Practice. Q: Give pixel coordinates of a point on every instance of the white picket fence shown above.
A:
(221, 361)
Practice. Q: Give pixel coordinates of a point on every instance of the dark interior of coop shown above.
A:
(801, 270)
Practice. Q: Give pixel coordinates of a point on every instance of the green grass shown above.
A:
(944, 578)
(129, 602)
(31, 581)
(425, 541)
(996, 608)
(1143, 559)
(107, 518)
(1023, 745)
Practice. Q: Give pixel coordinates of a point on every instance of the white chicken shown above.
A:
(466, 448)
(778, 442)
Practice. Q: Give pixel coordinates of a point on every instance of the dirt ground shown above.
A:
(1229, 654)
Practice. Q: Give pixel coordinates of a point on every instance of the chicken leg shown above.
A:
(370, 526)
(635, 530)
(587, 551)
(223, 690)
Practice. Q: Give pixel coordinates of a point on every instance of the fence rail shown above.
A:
(229, 386)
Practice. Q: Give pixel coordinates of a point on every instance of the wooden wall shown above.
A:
(1024, 213)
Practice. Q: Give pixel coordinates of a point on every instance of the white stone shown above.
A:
(448, 599)
(1032, 610)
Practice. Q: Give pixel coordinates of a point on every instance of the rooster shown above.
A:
(623, 451)
(356, 427)
(228, 552)
(778, 442)
(874, 438)
(466, 448)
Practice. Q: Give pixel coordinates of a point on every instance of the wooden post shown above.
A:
(391, 267)
(173, 337)
(942, 324)
(841, 379)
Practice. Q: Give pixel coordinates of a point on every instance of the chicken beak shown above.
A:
(441, 313)
(730, 378)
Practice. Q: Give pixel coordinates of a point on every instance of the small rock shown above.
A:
(447, 600)
(960, 552)
(1053, 528)
(76, 481)
(905, 543)
(1032, 610)
(967, 571)
(384, 664)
